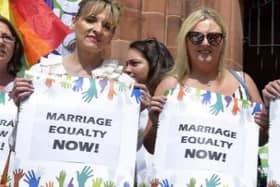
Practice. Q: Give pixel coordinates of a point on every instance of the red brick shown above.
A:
(154, 5)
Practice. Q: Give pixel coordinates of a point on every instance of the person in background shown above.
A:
(147, 62)
(11, 52)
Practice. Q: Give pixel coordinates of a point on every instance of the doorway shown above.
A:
(261, 47)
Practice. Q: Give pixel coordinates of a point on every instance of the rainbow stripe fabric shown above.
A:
(41, 31)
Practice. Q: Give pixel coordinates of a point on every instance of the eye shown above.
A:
(91, 19)
(8, 38)
(132, 63)
(108, 26)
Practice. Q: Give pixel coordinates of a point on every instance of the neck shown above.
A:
(80, 62)
(203, 80)
(204, 77)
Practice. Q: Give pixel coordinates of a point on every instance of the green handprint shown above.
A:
(122, 87)
(109, 184)
(192, 183)
(97, 182)
(245, 103)
(143, 185)
(66, 83)
(2, 97)
(196, 95)
(61, 178)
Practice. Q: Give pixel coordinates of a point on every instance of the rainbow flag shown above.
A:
(40, 29)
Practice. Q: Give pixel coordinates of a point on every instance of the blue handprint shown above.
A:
(218, 106)
(136, 92)
(91, 92)
(213, 182)
(78, 83)
(126, 184)
(228, 100)
(257, 108)
(165, 183)
(31, 179)
(84, 175)
(206, 98)
(2, 97)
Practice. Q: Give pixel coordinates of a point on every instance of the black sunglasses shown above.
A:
(213, 38)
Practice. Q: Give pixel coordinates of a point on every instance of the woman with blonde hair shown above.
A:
(200, 63)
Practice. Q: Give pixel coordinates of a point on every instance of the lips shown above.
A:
(2, 51)
(205, 52)
(93, 39)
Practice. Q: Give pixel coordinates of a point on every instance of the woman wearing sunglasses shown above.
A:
(201, 63)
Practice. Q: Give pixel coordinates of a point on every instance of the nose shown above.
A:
(205, 41)
(127, 69)
(97, 27)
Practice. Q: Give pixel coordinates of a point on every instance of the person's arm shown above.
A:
(271, 91)
(156, 106)
(261, 118)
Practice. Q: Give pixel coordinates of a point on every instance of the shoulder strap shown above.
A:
(242, 82)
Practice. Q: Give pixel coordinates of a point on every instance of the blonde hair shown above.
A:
(182, 63)
(88, 7)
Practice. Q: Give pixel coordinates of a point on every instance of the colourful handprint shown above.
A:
(218, 106)
(91, 92)
(206, 98)
(31, 179)
(85, 174)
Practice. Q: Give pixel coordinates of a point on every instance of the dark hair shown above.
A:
(159, 58)
(14, 65)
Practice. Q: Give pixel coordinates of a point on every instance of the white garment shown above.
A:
(144, 159)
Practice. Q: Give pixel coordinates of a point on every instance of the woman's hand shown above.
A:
(23, 88)
(145, 95)
(156, 107)
(271, 91)
(261, 118)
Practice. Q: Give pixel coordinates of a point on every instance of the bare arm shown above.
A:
(156, 106)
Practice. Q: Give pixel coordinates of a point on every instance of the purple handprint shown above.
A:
(228, 100)
(70, 184)
(103, 83)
